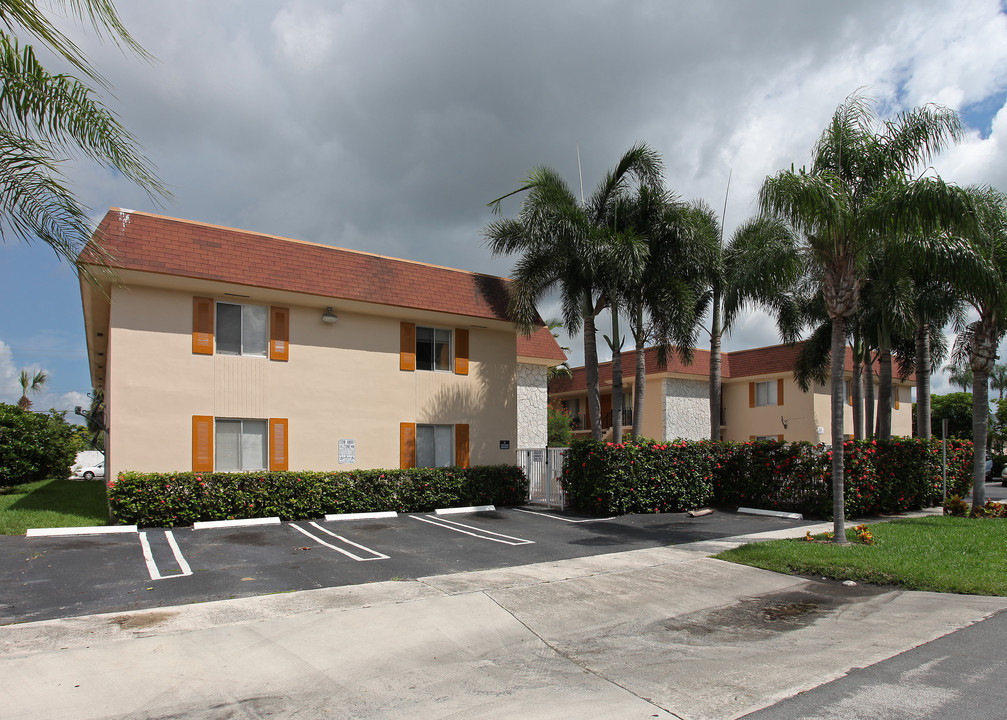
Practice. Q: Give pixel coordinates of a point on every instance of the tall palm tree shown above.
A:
(30, 383)
(935, 305)
(860, 191)
(982, 263)
(665, 301)
(565, 245)
(47, 117)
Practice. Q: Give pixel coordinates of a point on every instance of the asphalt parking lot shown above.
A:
(51, 577)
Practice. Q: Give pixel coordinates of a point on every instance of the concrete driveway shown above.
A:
(657, 632)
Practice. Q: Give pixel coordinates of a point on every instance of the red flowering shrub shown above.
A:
(170, 499)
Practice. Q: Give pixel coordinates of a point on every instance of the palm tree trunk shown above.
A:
(591, 367)
(885, 395)
(857, 389)
(838, 366)
(616, 375)
(868, 394)
(980, 415)
(923, 381)
(715, 367)
(640, 374)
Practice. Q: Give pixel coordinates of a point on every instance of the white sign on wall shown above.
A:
(347, 452)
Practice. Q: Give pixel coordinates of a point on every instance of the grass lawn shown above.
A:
(942, 554)
(52, 503)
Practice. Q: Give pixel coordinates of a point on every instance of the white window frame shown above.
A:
(433, 355)
(444, 433)
(241, 329)
(242, 465)
(771, 397)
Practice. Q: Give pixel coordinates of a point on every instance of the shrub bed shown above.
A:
(170, 499)
(888, 476)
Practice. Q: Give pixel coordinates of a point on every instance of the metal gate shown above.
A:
(543, 468)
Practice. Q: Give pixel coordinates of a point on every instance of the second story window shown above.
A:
(765, 393)
(433, 349)
(242, 329)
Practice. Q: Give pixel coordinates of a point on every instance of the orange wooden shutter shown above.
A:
(780, 438)
(751, 394)
(779, 391)
(202, 443)
(895, 394)
(462, 445)
(202, 326)
(407, 445)
(461, 352)
(407, 349)
(278, 444)
(279, 333)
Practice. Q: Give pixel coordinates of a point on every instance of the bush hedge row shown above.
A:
(881, 476)
(170, 499)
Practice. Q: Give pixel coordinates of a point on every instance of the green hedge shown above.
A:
(33, 446)
(888, 476)
(170, 499)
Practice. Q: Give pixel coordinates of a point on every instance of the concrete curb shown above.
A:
(470, 509)
(211, 524)
(86, 530)
(361, 516)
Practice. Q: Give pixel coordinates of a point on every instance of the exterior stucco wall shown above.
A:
(686, 409)
(342, 381)
(798, 410)
(532, 400)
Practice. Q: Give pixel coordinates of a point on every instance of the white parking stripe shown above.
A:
(479, 532)
(375, 553)
(182, 564)
(557, 517)
(148, 557)
(347, 553)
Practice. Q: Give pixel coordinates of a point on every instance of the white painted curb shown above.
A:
(90, 530)
(210, 524)
(361, 516)
(771, 513)
(470, 509)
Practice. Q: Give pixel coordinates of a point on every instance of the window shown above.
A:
(433, 349)
(435, 445)
(765, 393)
(242, 329)
(241, 445)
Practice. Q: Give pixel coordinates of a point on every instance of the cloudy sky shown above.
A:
(388, 126)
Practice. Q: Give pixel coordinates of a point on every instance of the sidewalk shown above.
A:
(662, 632)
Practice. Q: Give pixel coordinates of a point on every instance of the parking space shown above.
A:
(56, 577)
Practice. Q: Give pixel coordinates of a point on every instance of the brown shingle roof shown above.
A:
(770, 360)
(540, 344)
(152, 243)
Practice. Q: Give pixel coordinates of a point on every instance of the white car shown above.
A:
(93, 471)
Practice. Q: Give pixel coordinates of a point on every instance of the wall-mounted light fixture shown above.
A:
(329, 316)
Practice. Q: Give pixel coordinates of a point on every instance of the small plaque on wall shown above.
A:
(347, 452)
(505, 444)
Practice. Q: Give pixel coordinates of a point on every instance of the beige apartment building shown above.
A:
(221, 349)
(759, 399)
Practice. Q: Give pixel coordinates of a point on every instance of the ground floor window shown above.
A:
(435, 445)
(241, 445)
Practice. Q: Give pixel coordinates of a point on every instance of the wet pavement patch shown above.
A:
(142, 621)
(762, 617)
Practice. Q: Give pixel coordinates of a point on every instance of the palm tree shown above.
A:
(664, 301)
(998, 378)
(935, 305)
(47, 117)
(960, 375)
(30, 383)
(860, 191)
(982, 264)
(565, 245)
(762, 265)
